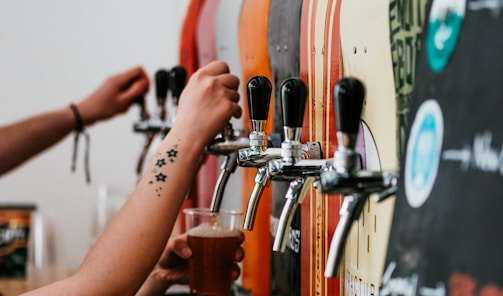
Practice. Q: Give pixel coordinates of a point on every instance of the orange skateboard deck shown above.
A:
(320, 68)
(254, 61)
(366, 55)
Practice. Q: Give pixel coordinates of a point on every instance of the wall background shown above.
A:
(53, 52)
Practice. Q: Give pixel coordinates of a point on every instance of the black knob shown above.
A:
(161, 85)
(349, 94)
(259, 90)
(177, 79)
(139, 101)
(293, 100)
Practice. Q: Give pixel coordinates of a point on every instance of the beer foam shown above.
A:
(208, 230)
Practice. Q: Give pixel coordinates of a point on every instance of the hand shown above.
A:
(172, 267)
(114, 96)
(208, 102)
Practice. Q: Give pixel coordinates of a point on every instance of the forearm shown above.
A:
(146, 220)
(27, 138)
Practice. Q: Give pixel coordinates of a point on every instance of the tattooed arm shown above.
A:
(26, 138)
(131, 245)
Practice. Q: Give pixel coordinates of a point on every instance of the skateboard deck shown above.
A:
(188, 51)
(320, 68)
(226, 32)
(283, 34)
(207, 52)
(366, 55)
(189, 60)
(444, 239)
(254, 61)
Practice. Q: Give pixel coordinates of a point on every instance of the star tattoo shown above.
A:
(160, 162)
(172, 154)
(160, 177)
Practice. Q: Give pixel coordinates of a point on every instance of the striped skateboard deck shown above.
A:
(445, 237)
(320, 68)
(254, 61)
(366, 54)
(284, 51)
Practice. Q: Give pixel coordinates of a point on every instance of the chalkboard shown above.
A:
(445, 236)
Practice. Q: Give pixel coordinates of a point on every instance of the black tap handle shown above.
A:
(349, 94)
(177, 79)
(259, 90)
(161, 85)
(140, 101)
(293, 102)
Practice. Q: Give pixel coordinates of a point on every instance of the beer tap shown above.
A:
(293, 166)
(344, 175)
(263, 148)
(150, 126)
(227, 144)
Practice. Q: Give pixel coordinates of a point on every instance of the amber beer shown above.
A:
(213, 239)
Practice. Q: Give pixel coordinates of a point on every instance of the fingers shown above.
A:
(132, 83)
(236, 272)
(180, 246)
(130, 76)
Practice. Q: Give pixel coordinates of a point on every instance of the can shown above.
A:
(15, 224)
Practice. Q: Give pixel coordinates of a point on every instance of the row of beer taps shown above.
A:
(284, 158)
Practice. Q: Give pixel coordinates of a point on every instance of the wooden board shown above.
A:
(189, 60)
(366, 54)
(284, 51)
(320, 68)
(254, 61)
(207, 52)
(445, 236)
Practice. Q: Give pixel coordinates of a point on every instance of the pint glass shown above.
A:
(213, 238)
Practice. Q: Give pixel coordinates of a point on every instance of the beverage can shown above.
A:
(15, 222)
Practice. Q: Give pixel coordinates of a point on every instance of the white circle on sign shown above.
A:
(423, 153)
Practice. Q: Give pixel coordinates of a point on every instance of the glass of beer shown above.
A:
(213, 238)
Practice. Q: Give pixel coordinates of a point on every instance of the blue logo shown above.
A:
(423, 153)
(444, 27)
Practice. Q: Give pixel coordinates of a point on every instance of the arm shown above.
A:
(26, 138)
(131, 245)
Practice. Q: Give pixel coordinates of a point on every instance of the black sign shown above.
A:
(446, 235)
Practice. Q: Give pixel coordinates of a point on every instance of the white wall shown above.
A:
(53, 52)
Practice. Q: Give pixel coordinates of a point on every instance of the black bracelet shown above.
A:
(79, 124)
(79, 129)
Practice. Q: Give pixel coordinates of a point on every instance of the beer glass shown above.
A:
(213, 238)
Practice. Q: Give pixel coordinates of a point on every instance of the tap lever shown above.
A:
(177, 79)
(293, 101)
(258, 91)
(349, 94)
(350, 210)
(161, 91)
